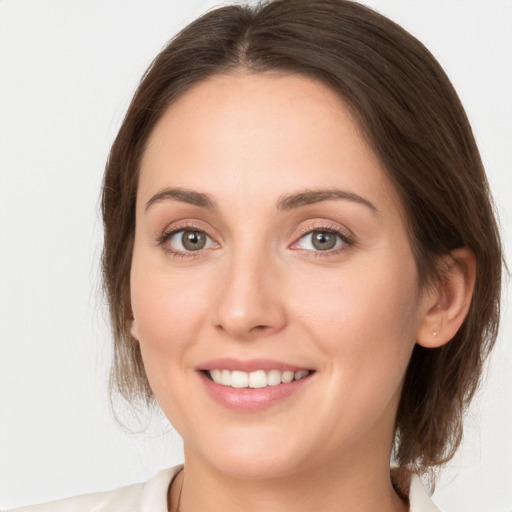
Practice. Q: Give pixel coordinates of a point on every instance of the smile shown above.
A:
(256, 379)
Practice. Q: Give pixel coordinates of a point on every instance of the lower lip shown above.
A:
(252, 399)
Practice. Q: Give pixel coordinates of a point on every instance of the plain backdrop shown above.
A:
(67, 71)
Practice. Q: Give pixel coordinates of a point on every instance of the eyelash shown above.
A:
(169, 233)
(347, 241)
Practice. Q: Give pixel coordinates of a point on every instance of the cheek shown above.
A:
(166, 307)
(365, 316)
(168, 312)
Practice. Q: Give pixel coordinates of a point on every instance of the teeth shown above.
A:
(300, 374)
(257, 379)
(225, 378)
(287, 377)
(273, 378)
(239, 379)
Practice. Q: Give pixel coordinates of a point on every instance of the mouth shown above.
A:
(256, 379)
(253, 385)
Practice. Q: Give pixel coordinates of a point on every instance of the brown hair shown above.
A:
(415, 123)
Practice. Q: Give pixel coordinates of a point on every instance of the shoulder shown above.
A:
(111, 501)
(151, 495)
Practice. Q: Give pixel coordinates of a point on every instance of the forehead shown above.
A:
(260, 135)
(243, 103)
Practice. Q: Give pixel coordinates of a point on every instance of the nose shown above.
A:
(251, 303)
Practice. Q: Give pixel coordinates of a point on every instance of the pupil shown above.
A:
(193, 240)
(323, 240)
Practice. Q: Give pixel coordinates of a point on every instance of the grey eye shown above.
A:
(321, 241)
(193, 240)
(187, 240)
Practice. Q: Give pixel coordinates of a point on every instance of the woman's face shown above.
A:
(270, 246)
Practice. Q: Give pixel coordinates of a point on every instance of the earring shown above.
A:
(434, 334)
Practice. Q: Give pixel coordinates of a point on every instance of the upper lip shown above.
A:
(250, 365)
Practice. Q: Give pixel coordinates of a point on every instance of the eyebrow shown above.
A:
(285, 202)
(185, 196)
(306, 197)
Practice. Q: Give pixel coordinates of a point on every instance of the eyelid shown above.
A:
(345, 234)
(326, 225)
(185, 225)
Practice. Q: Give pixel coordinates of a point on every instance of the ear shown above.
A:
(447, 304)
(134, 330)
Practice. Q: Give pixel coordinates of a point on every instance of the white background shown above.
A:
(67, 71)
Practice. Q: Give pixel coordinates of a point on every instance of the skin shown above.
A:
(259, 289)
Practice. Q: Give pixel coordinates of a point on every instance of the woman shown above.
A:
(301, 261)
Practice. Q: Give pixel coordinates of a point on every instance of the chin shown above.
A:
(256, 469)
(253, 456)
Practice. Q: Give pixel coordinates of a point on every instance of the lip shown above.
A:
(231, 364)
(251, 399)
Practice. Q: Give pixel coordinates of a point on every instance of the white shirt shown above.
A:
(152, 497)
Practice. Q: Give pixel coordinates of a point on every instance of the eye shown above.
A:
(188, 240)
(321, 240)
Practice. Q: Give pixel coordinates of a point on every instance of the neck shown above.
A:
(365, 487)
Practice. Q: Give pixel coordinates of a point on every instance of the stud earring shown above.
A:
(434, 334)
